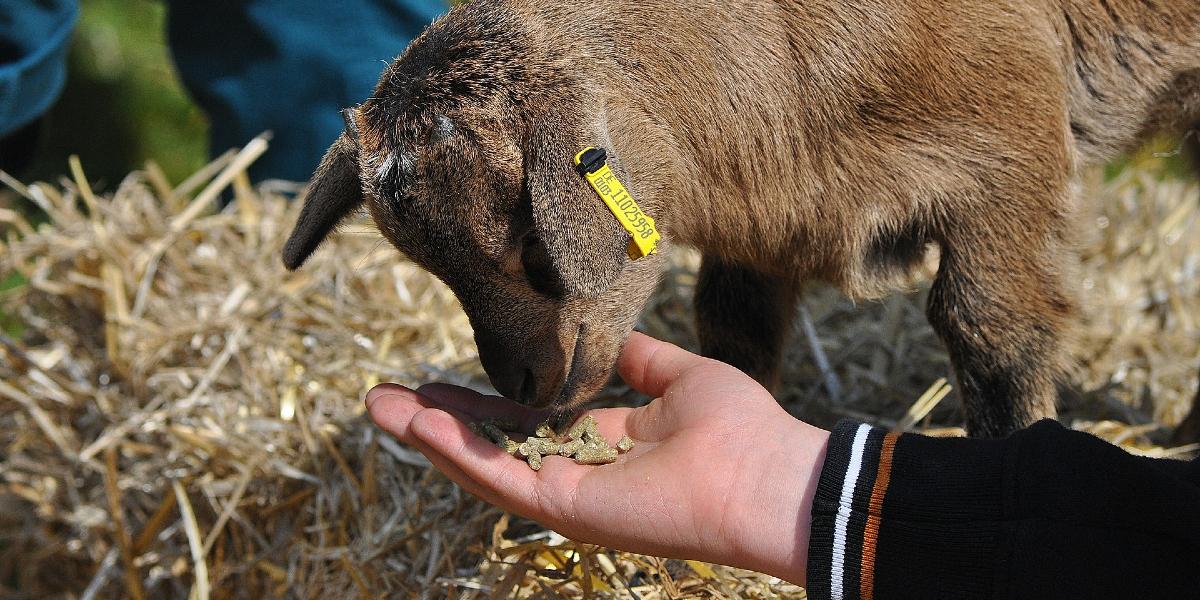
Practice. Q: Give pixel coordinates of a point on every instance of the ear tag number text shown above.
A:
(592, 164)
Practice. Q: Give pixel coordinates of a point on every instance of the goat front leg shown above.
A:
(744, 318)
(1001, 309)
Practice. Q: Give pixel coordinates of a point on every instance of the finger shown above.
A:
(650, 366)
(392, 407)
(384, 389)
(481, 406)
(448, 468)
(473, 461)
(612, 423)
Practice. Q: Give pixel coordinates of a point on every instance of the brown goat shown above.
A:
(789, 141)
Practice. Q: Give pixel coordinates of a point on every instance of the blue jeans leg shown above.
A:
(287, 66)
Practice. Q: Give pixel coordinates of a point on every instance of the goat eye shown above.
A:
(538, 267)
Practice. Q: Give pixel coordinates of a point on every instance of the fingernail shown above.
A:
(370, 400)
(381, 390)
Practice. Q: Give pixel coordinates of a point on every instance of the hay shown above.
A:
(183, 417)
(182, 405)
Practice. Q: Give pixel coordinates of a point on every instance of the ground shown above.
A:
(180, 408)
(175, 406)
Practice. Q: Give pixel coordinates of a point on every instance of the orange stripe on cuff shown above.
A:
(874, 516)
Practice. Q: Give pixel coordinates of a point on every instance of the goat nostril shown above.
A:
(528, 388)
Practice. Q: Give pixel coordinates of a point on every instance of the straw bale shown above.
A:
(182, 416)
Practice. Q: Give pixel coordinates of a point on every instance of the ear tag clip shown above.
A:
(592, 163)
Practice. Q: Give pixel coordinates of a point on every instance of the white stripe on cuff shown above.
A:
(837, 571)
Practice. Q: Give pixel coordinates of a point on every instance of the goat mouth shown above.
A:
(572, 380)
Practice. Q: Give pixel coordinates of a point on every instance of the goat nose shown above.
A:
(528, 394)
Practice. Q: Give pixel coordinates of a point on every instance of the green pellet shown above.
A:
(584, 442)
(568, 449)
(544, 430)
(595, 455)
(543, 445)
(586, 424)
(593, 437)
(494, 433)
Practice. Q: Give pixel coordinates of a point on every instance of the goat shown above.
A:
(789, 141)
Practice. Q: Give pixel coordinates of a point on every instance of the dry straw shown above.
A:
(182, 417)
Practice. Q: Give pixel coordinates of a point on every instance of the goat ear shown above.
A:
(583, 240)
(335, 191)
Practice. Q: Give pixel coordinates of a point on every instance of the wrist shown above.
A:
(776, 510)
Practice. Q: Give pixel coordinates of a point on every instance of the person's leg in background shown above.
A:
(288, 66)
(34, 38)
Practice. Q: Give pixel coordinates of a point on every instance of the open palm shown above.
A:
(719, 471)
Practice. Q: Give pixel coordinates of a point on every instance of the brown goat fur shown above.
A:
(788, 141)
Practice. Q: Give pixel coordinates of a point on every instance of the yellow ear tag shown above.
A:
(591, 163)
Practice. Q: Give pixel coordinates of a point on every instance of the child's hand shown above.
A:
(719, 471)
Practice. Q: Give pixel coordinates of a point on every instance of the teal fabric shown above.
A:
(34, 36)
(288, 66)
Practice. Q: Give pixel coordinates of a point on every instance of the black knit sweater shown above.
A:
(1046, 513)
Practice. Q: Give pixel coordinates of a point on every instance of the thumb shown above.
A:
(650, 366)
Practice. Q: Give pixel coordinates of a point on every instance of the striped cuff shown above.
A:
(906, 516)
(846, 512)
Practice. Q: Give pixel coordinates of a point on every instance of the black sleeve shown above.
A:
(1045, 513)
